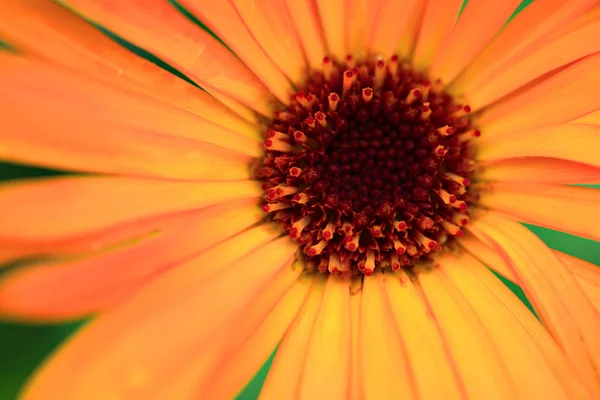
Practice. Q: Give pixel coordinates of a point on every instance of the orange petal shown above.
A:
(178, 306)
(124, 132)
(284, 376)
(386, 370)
(469, 345)
(360, 15)
(222, 19)
(565, 208)
(591, 118)
(74, 44)
(537, 20)
(426, 351)
(539, 169)
(536, 60)
(573, 142)
(308, 25)
(553, 291)
(103, 280)
(159, 28)
(356, 377)
(391, 22)
(477, 25)
(270, 24)
(587, 274)
(327, 365)
(521, 353)
(408, 39)
(438, 21)
(74, 206)
(239, 347)
(333, 21)
(537, 105)
(242, 364)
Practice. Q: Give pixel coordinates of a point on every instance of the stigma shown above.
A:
(369, 166)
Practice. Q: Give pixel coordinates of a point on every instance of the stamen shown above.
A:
(333, 101)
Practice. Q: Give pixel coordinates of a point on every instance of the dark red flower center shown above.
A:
(368, 167)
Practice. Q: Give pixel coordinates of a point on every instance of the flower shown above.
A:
(373, 295)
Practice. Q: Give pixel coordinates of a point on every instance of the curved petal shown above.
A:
(270, 24)
(535, 61)
(534, 373)
(222, 19)
(284, 376)
(74, 43)
(102, 280)
(326, 371)
(565, 208)
(477, 25)
(438, 21)
(392, 20)
(158, 27)
(76, 206)
(536, 21)
(573, 142)
(386, 369)
(240, 346)
(178, 306)
(333, 21)
(305, 16)
(476, 359)
(426, 351)
(125, 133)
(553, 291)
(537, 105)
(539, 169)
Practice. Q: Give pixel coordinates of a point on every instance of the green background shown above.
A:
(23, 347)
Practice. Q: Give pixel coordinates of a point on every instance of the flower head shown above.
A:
(335, 178)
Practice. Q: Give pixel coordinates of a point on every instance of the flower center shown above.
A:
(368, 167)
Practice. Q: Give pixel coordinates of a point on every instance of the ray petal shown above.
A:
(184, 305)
(392, 21)
(333, 18)
(553, 291)
(566, 208)
(539, 169)
(305, 16)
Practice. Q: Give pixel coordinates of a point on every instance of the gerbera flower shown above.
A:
(312, 197)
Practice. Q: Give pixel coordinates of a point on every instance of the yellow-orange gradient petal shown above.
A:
(552, 290)
(408, 39)
(539, 169)
(535, 60)
(477, 25)
(356, 380)
(537, 105)
(525, 361)
(222, 19)
(591, 118)
(470, 347)
(305, 16)
(573, 142)
(360, 15)
(104, 279)
(586, 274)
(240, 345)
(82, 124)
(286, 370)
(333, 22)
(537, 20)
(74, 43)
(158, 27)
(386, 370)
(326, 371)
(271, 25)
(438, 20)
(44, 210)
(180, 305)
(426, 351)
(566, 208)
(391, 22)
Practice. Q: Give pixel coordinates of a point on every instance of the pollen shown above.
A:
(369, 166)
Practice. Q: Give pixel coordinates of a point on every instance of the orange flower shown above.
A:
(355, 125)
